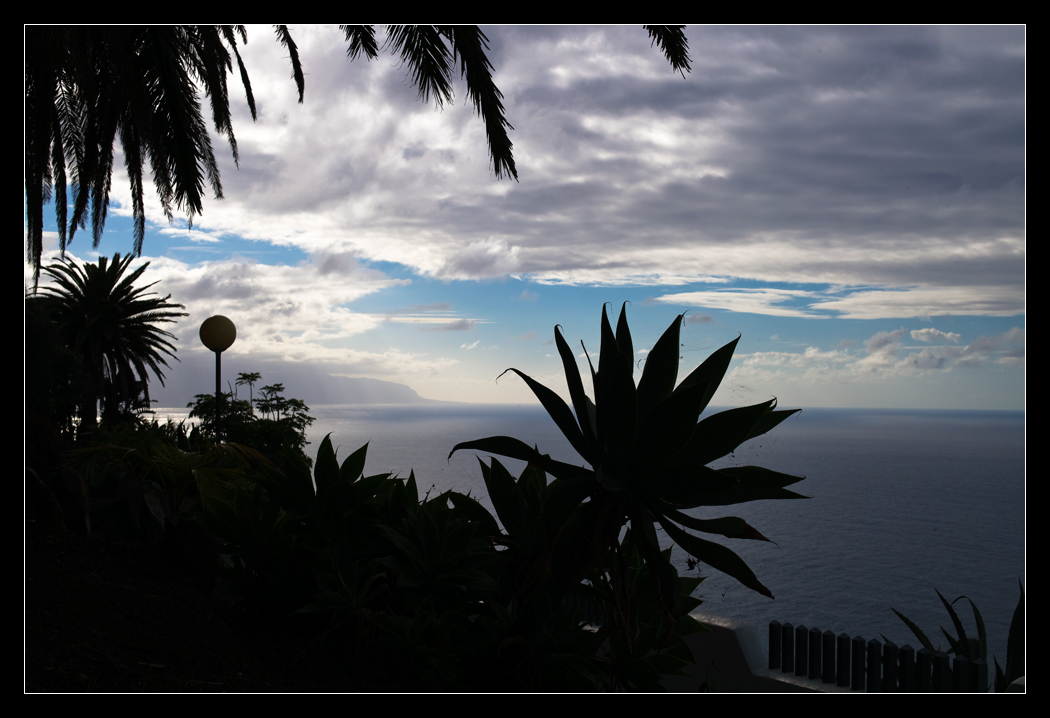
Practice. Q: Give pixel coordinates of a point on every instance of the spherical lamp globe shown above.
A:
(218, 333)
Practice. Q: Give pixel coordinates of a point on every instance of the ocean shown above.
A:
(902, 503)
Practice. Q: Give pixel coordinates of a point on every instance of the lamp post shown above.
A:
(218, 334)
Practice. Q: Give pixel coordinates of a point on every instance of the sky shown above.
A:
(849, 201)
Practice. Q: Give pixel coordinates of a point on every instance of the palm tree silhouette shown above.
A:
(249, 378)
(113, 326)
(84, 85)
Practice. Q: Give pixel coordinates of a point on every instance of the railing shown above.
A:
(871, 666)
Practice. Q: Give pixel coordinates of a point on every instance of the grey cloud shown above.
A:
(846, 144)
(414, 150)
(486, 258)
(885, 342)
(336, 264)
(926, 359)
(460, 325)
(208, 287)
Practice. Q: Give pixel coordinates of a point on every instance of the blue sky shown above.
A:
(849, 200)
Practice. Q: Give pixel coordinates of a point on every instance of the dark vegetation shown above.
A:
(974, 648)
(166, 558)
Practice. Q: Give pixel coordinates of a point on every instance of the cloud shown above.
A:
(460, 325)
(526, 296)
(885, 342)
(281, 312)
(804, 156)
(926, 302)
(757, 301)
(886, 357)
(478, 260)
(931, 335)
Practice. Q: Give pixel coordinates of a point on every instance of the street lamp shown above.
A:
(218, 334)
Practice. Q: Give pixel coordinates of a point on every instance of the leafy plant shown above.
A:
(284, 425)
(648, 452)
(113, 327)
(977, 648)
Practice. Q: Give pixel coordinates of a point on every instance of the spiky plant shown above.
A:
(648, 453)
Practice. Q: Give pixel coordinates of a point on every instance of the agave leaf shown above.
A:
(1015, 642)
(959, 648)
(592, 416)
(657, 561)
(474, 511)
(594, 378)
(562, 499)
(354, 466)
(682, 482)
(982, 636)
(560, 412)
(507, 499)
(660, 370)
(648, 530)
(716, 556)
(618, 403)
(758, 477)
(669, 427)
(517, 449)
(959, 645)
(411, 489)
(607, 356)
(624, 343)
(721, 433)
(618, 413)
(755, 483)
(297, 472)
(326, 468)
(1001, 683)
(611, 480)
(713, 369)
(579, 397)
(729, 526)
(770, 420)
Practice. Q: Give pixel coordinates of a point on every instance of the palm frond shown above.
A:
(672, 41)
(469, 45)
(429, 60)
(360, 39)
(285, 39)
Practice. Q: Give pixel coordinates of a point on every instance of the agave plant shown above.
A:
(977, 648)
(648, 454)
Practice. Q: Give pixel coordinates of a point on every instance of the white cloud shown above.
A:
(756, 301)
(930, 335)
(885, 357)
(926, 302)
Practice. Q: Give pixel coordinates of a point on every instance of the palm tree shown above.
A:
(249, 378)
(113, 326)
(84, 85)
